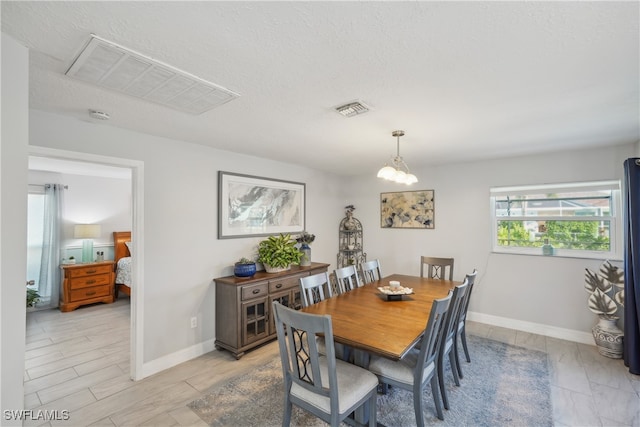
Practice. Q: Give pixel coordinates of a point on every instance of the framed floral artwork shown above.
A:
(255, 206)
(407, 209)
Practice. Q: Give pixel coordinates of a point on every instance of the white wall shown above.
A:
(91, 200)
(541, 294)
(182, 252)
(13, 222)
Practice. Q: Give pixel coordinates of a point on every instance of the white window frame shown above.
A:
(615, 220)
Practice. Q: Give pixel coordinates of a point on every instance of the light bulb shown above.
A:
(386, 172)
(400, 176)
(411, 179)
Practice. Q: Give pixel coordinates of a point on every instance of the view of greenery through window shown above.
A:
(577, 220)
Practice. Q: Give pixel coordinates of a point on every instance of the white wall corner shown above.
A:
(533, 328)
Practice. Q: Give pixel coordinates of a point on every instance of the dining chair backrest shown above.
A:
(437, 268)
(460, 330)
(418, 368)
(471, 278)
(432, 338)
(313, 288)
(453, 313)
(371, 271)
(448, 335)
(311, 381)
(347, 278)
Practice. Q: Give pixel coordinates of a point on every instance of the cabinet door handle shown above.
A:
(279, 285)
(90, 293)
(256, 291)
(90, 282)
(91, 271)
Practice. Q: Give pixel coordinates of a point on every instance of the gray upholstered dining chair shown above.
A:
(313, 288)
(347, 278)
(371, 271)
(418, 368)
(448, 335)
(437, 268)
(461, 333)
(323, 385)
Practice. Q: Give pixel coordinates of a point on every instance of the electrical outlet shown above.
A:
(194, 322)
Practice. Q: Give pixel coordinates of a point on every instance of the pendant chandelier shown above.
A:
(398, 171)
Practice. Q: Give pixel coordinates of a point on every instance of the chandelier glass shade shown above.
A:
(398, 171)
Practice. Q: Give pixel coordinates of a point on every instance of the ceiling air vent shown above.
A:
(352, 109)
(114, 67)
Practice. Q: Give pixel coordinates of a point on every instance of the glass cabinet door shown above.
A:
(254, 320)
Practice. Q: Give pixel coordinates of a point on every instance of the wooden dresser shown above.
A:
(86, 284)
(243, 306)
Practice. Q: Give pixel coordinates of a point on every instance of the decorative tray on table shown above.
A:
(394, 294)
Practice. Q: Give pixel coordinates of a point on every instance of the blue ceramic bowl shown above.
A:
(244, 270)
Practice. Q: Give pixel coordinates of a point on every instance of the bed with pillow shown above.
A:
(122, 253)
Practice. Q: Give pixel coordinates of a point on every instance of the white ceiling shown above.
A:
(464, 80)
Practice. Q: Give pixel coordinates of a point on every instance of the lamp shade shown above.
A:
(86, 231)
(386, 172)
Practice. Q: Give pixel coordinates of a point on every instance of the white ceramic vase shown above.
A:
(608, 338)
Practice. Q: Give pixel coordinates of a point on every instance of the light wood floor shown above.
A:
(79, 362)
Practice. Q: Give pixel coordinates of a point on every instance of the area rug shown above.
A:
(504, 385)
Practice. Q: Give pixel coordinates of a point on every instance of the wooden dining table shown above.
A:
(364, 319)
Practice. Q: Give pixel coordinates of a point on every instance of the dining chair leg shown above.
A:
(454, 367)
(373, 422)
(417, 404)
(436, 397)
(443, 391)
(286, 418)
(457, 354)
(463, 335)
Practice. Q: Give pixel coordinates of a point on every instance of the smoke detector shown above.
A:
(352, 109)
(100, 115)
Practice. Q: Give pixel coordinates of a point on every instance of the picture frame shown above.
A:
(408, 209)
(250, 206)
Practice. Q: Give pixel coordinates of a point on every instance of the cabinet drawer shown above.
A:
(87, 293)
(254, 291)
(283, 283)
(88, 281)
(90, 270)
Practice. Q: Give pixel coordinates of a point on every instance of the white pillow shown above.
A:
(130, 247)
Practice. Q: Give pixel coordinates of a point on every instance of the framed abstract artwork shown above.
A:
(251, 206)
(407, 209)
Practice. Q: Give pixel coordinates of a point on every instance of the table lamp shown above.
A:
(88, 232)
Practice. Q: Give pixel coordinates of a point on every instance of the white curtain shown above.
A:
(49, 283)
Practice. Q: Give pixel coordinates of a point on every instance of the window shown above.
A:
(35, 224)
(576, 219)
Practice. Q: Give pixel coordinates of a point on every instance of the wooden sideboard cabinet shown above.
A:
(86, 284)
(243, 306)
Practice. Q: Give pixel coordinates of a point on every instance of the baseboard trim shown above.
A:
(174, 359)
(534, 328)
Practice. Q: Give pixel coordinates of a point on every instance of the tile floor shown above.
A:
(79, 361)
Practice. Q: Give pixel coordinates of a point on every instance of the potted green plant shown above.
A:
(606, 294)
(277, 253)
(244, 268)
(33, 297)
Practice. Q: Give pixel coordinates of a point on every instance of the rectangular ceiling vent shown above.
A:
(111, 66)
(352, 109)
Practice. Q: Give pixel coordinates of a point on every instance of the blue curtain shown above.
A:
(49, 284)
(631, 188)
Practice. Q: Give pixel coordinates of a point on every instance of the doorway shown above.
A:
(135, 170)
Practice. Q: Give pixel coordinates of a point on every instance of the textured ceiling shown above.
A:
(464, 80)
